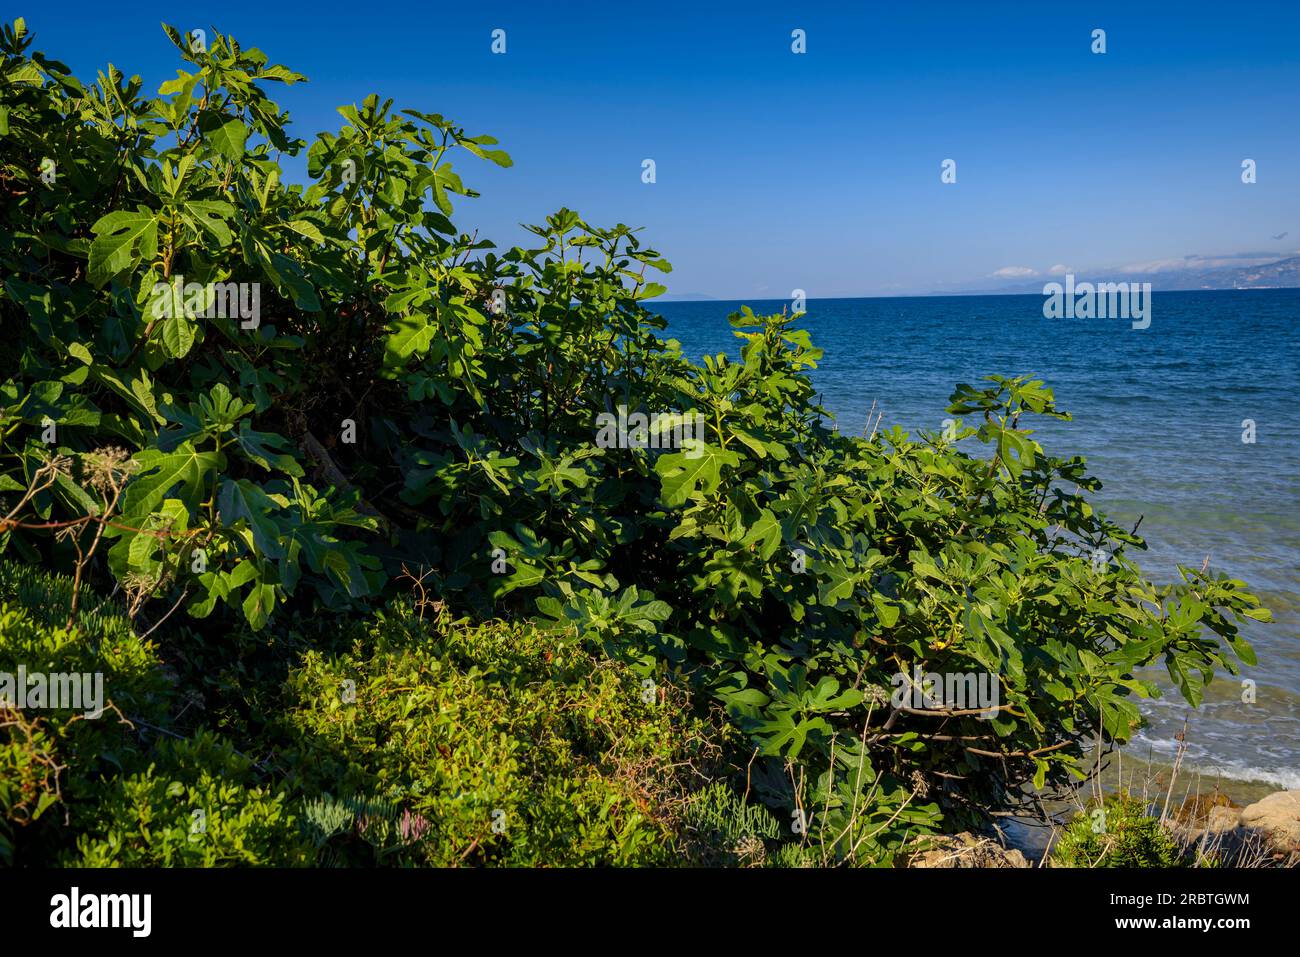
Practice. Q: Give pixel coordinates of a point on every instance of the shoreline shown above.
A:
(1146, 778)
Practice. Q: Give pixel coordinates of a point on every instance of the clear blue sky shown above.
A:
(818, 171)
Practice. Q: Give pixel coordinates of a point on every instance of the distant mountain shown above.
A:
(1281, 274)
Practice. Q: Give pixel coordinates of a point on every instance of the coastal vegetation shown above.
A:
(312, 477)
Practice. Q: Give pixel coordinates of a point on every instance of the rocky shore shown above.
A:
(1262, 834)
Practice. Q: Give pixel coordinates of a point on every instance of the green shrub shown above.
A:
(453, 728)
(1118, 832)
(489, 744)
(54, 759)
(111, 790)
(29, 776)
(422, 401)
(195, 807)
(34, 632)
(727, 830)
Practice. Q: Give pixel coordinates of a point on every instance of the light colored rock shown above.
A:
(965, 850)
(1222, 819)
(1277, 816)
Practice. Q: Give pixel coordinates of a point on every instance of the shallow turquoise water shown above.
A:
(1157, 411)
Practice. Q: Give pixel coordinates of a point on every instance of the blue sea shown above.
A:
(1159, 414)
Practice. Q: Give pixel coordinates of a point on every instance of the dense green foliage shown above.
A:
(412, 406)
(36, 747)
(1118, 832)
(572, 758)
(400, 741)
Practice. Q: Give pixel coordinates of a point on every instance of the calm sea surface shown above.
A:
(1158, 412)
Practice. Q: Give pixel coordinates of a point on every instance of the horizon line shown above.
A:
(942, 295)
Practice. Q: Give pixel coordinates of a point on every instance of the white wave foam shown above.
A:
(1288, 779)
(1199, 761)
